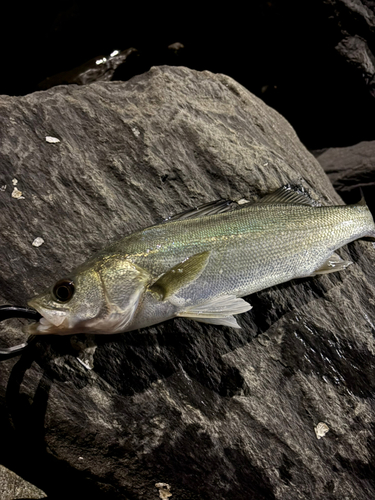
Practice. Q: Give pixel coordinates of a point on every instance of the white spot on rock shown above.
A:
(136, 132)
(86, 365)
(164, 490)
(52, 140)
(3, 188)
(86, 348)
(16, 193)
(38, 241)
(321, 430)
(242, 201)
(176, 46)
(14, 182)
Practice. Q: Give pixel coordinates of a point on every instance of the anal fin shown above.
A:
(332, 264)
(218, 311)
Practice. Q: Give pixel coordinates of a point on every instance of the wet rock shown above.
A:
(211, 412)
(118, 65)
(98, 69)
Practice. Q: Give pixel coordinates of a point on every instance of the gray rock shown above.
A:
(13, 487)
(311, 60)
(356, 22)
(197, 411)
(351, 170)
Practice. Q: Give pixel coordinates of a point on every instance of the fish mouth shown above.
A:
(52, 321)
(61, 322)
(42, 327)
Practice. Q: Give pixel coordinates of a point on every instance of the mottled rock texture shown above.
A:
(13, 487)
(214, 413)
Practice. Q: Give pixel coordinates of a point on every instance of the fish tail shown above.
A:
(362, 201)
(370, 235)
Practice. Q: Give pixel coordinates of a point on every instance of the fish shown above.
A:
(199, 264)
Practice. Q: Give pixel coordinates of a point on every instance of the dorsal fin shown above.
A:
(293, 195)
(288, 194)
(211, 208)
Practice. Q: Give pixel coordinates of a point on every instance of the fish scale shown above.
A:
(201, 265)
(251, 244)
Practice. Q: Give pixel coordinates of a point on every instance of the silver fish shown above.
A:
(199, 265)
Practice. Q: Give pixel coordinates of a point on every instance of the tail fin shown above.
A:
(370, 236)
(362, 201)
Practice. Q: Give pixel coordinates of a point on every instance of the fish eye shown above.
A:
(63, 290)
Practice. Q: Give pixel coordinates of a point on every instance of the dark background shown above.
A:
(283, 51)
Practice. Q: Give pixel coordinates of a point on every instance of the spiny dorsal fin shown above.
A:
(211, 208)
(294, 195)
(180, 275)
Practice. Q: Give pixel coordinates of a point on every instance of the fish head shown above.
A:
(100, 298)
(69, 304)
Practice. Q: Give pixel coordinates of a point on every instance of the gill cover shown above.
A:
(124, 284)
(101, 298)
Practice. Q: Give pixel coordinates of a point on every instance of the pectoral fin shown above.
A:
(331, 265)
(180, 275)
(218, 311)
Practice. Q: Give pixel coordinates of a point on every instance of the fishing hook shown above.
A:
(7, 312)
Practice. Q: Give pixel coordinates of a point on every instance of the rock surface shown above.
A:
(313, 61)
(351, 170)
(211, 412)
(13, 487)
